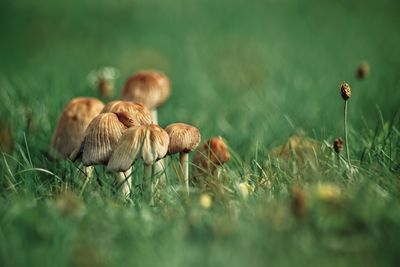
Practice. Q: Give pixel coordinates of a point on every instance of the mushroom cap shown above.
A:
(71, 125)
(148, 142)
(140, 113)
(101, 137)
(183, 138)
(151, 88)
(214, 152)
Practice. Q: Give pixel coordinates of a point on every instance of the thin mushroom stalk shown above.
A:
(154, 116)
(88, 172)
(184, 162)
(124, 182)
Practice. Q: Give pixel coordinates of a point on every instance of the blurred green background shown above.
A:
(254, 72)
(249, 71)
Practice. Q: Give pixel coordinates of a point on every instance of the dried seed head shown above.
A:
(100, 139)
(213, 153)
(338, 145)
(184, 138)
(140, 115)
(151, 88)
(345, 91)
(299, 203)
(146, 142)
(363, 70)
(72, 124)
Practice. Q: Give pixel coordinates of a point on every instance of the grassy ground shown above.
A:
(255, 73)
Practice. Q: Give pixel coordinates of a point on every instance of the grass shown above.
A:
(255, 74)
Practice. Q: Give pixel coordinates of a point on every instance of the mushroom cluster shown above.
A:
(120, 133)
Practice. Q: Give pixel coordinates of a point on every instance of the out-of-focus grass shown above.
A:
(254, 73)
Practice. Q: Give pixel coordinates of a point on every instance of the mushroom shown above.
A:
(103, 79)
(72, 124)
(146, 142)
(151, 88)
(210, 156)
(184, 139)
(100, 139)
(139, 111)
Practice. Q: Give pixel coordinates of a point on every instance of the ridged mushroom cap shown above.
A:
(146, 142)
(151, 88)
(183, 138)
(71, 125)
(101, 137)
(213, 152)
(140, 113)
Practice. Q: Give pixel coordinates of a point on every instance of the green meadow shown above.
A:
(264, 75)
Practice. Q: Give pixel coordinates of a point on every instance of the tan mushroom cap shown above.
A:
(146, 142)
(139, 112)
(151, 88)
(101, 137)
(71, 125)
(213, 153)
(183, 138)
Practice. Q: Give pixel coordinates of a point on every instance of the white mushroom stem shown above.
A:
(88, 173)
(124, 181)
(154, 116)
(88, 170)
(184, 162)
(148, 184)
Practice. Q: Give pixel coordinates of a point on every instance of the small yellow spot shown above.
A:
(245, 189)
(328, 192)
(205, 201)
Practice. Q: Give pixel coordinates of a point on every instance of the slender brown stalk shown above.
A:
(346, 132)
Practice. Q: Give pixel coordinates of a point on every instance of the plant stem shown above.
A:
(148, 188)
(338, 159)
(346, 133)
(124, 180)
(88, 171)
(184, 162)
(154, 116)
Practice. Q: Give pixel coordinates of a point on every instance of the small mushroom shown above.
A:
(103, 79)
(146, 142)
(72, 124)
(151, 88)
(184, 139)
(210, 156)
(100, 139)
